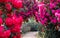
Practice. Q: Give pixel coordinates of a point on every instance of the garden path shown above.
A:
(30, 35)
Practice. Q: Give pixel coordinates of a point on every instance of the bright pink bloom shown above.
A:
(58, 16)
(53, 12)
(8, 7)
(1, 29)
(54, 21)
(9, 22)
(52, 5)
(7, 33)
(17, 3)
(15, 29)
(17, 21)
(47, 14)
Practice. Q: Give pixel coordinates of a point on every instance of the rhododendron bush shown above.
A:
(12, 14)
(49, 11)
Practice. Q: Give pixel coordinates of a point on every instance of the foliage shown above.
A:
(26, 27)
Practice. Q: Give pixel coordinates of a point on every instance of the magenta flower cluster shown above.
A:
(49, 12)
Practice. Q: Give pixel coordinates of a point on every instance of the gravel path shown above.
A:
(30, 35)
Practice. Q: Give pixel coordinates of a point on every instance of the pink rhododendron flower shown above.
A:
(7, 33)
(53, 12)
(9, 22)
(54, 21)
(16, 20)
(58, 16)
(47, 14)
(8, 7)
(15, 29)
(1, 29)
(17, 3)
(52, 5)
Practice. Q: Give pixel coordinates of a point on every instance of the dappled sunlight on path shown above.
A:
(30, 35)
